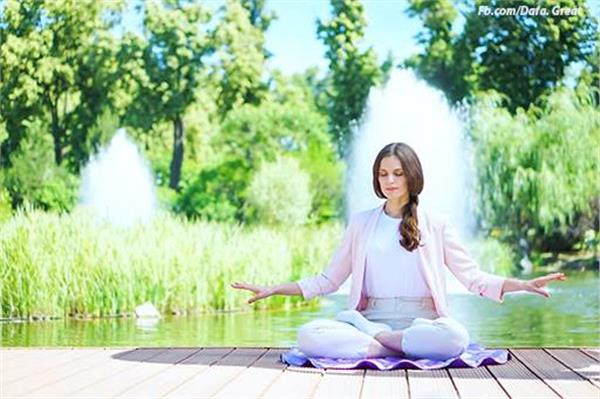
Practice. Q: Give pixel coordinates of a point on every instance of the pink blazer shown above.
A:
(439, 248)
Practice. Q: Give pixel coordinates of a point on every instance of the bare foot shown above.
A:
(391, 340)
(377, 350)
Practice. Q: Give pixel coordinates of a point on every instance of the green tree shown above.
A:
(538, 171)
(58, 62)
(239, 39)
(589, 78)
(286, 123)
(522, 56)
(260, 133)
(257, 14)
(173, 52)
(353, 72)
(437, 63)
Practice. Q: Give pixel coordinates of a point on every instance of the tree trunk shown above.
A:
(57, 136)
(177, 159)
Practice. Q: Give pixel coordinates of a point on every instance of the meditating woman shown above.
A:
(396, 254)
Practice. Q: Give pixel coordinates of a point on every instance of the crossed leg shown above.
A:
(440, 339)
(335, 339)
(356, 337)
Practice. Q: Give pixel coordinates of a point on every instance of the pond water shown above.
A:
(570, 317)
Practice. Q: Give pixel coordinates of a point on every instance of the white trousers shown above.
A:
(425, 335)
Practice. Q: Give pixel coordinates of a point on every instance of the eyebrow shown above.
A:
(384, 169)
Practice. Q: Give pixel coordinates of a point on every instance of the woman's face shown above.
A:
(391, 178)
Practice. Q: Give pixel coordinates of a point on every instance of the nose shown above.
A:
(390, 178)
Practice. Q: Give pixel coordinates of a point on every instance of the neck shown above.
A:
(395, 206)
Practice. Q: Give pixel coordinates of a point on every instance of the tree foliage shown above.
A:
(521, 56)
(58, 61)
(239, 39)
(353, 71)
(538, 170)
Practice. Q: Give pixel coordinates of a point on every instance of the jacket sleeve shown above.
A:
(335, 273)
(466, 270)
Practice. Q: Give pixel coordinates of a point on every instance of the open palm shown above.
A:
(536, 285)
(260, 292)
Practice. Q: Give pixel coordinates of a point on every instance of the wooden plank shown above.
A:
(38, 381)
(592, 352)
(300, 382)
(171, 378)
(140, 371)
(114, 365)
(430, 384)
(254, 380)
(26, 358)
(579, 363)
(39, 363)
(476, 383)
(519, 382)
(8, 353)
(385, 384)
(340, 384)
(218, 375)
(562, 379)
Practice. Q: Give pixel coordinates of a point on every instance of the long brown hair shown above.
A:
(411, 166)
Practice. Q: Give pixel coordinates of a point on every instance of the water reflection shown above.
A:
(569, 318)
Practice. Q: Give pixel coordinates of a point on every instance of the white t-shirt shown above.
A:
(391, 270)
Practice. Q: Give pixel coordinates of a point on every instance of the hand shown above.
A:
(535, 285)
(259, 291)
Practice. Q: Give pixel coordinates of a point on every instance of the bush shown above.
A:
(34, 177)
(216, 194)
(280, 193)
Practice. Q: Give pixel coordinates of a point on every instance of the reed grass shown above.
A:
(59, 265)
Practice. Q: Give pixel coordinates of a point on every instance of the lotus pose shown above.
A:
(395, 254)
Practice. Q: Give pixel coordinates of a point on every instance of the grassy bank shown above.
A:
(76, 265)
(61, 265)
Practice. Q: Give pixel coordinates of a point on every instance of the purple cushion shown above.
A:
(475, 356)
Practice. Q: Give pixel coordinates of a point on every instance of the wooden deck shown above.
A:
(258, 373)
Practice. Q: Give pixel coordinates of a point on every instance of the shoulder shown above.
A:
(360, 218)
(433, 219)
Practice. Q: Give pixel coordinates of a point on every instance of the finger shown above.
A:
(550, 277)
(541, 292)
(243, 286)
(238, 286)
(555, 277)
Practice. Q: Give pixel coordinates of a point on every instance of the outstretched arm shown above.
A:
(324, 283)
(262, 292)
(494, 287)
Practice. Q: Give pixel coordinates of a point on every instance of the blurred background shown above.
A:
(153, 152)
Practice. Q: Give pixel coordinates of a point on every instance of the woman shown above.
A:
(396, 254)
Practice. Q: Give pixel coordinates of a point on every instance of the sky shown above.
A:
(292, 37)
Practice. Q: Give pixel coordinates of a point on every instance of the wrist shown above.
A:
(272, 289)
(513, 284)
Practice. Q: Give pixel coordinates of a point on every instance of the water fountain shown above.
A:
(408, 110)
(118, 185)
